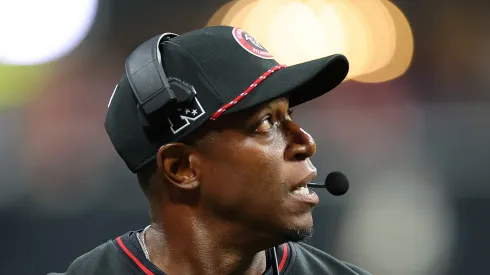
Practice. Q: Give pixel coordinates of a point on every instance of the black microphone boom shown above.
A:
(336, 184)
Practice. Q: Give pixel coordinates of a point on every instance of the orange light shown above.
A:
(403, 50)
(218, 16)
(374, 35)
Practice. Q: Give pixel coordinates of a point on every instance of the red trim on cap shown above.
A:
(132, 257)
(284, 257)
(246, 92)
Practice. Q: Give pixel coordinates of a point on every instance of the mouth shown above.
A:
(301, 192)
(301, 187)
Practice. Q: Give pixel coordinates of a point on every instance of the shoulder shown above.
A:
(310, 260)
(99, 260)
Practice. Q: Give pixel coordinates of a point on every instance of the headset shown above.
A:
(156, 93)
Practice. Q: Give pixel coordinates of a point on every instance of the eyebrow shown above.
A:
(266, 107)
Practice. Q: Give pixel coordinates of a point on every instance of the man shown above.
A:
(204, 121)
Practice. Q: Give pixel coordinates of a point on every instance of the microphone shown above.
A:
(336, 183)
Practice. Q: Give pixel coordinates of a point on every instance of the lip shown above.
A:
(304, 181)
(311, 199)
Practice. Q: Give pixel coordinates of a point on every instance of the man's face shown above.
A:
(256, 159)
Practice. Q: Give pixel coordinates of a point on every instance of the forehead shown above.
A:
(230, 119)
(237, 122)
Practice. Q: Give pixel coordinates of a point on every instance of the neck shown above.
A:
(190, 246)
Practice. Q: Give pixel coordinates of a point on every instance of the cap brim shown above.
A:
(301, 83)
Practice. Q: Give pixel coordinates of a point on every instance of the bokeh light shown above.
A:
(374, 35)
(20, 83)
(59, 27)
(378, 35)
(403, 49)
(218, 16)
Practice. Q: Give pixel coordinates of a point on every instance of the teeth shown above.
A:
(302, 191)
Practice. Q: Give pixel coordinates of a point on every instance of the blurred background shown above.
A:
(410, 126)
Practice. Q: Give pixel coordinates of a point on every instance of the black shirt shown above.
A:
(124, 256)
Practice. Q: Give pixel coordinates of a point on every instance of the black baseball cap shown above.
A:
(229, 71)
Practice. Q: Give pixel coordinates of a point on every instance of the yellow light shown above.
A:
(234, 11)
(218, 16)
(294, 31)
(20, 83)
(297, 35)
(242, 14)
(257, 22)
(374, 34)
(381, 34)
(355, 34)
(403, 52)
(333, 28)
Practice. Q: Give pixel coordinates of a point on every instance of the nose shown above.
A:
(300, 144)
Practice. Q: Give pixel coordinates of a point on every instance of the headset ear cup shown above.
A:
(144, 66)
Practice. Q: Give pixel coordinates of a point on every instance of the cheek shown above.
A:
(259, 167)
(248, 176)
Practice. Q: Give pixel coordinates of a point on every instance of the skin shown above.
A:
(218, 204)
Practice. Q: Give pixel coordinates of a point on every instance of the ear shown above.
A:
(180, 165)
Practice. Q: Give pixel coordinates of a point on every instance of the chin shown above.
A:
(298, 234)
(299, 230)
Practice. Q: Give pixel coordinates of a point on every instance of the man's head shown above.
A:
(231, 152)
(243, 169)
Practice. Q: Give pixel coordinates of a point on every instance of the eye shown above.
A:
(265, 125)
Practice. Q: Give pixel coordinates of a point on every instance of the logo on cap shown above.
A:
(250, 44)
(187, 112)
